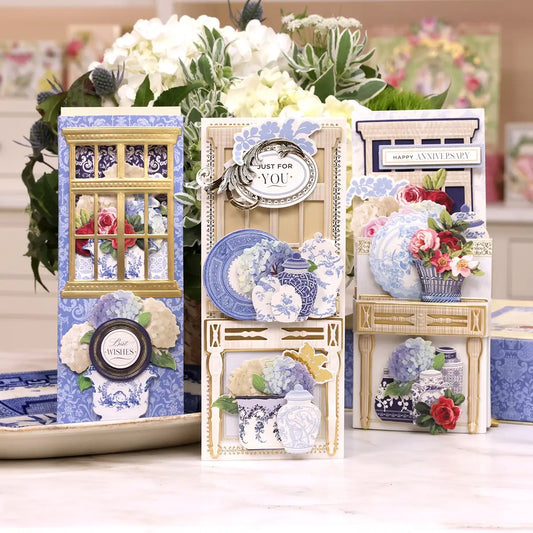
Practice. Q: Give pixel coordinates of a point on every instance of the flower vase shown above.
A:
(453, 369)
(296, 273)
(435, 288)
(258, 429)
(120, 400)
(389, 408)
(298, 421)
(429, 388)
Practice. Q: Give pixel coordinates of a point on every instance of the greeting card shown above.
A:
(423, 272)
(120, 264)
(273, 301)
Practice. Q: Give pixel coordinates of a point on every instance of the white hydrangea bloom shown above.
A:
(240, 382)
(73, 353)
(86, 203)
(163, 329)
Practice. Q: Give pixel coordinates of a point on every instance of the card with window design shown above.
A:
(120, 265)
(273, 251)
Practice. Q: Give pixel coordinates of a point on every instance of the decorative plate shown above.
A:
(220, 274)
(390, 260)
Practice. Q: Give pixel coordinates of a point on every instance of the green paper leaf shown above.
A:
(106, 247)
(478, 272)
(422, 408)
(432, 223)
(439, 361)
(435, 429)
(86, 338)
(227, 404)
(396, 388)
(144, 319)
(424, 420)
(458, 399)
(427, 183)
(448, 393)
(84, 383)
(144, 94)
(446, 219)
(162, 359)
(174, 95)
(439, 179)
(258, 382)
(312, 266)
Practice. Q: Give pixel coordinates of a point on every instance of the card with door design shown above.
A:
(273, 243)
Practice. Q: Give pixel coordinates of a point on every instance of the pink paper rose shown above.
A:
(410, 194)
(107, 221)
(440, 261)
(372, 227)
(425, 240)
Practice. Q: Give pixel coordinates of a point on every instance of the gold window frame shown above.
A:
(121, 186)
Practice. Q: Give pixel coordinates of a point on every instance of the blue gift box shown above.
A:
(512, 361)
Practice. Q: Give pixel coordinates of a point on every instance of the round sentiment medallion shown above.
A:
(120, 349)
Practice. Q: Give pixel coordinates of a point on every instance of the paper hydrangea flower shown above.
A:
(73, 353)
(410, 358)
(282, 374)
(162, 328)
(119, 304)
(241, 380)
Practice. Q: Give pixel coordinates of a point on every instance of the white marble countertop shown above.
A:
(389, 481)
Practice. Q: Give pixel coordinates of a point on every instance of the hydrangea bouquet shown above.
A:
(313, 67)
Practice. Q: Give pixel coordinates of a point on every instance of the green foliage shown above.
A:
(439, 361)
(84, 383)
(162, 359)
(144, 94)
(337, 70)
(391, 99)
(258, 382)
(144, 319)
(312, 266)
(227, 404)
(86, 338)
(396, 389)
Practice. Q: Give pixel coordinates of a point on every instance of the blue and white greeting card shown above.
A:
(120, 317)
(273, 252)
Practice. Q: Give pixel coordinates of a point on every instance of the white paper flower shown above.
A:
(73, 353)
(162, 328)
(240, 382)
(370, 209)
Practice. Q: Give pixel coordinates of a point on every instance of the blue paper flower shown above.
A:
(283, 373)
(119, 304)
(410, 358)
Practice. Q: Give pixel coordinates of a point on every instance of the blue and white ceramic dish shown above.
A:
(218, 272)
(390, 260)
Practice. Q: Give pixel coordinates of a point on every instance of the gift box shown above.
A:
(511, 360)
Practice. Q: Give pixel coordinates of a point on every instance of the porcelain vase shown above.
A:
(258, 429)
(299, 421)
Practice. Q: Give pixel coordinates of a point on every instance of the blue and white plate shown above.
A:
(218, 272)
(390, 259)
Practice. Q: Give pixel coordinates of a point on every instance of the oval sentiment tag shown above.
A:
(283, 181)
(120, 349)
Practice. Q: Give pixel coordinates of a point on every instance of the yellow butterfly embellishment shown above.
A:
(313, 361)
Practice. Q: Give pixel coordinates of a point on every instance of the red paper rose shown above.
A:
(441, 262)
(87, 229)
(128, 229)
(445, 413)
(440, 197)
(450, 240)
(410, 194)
